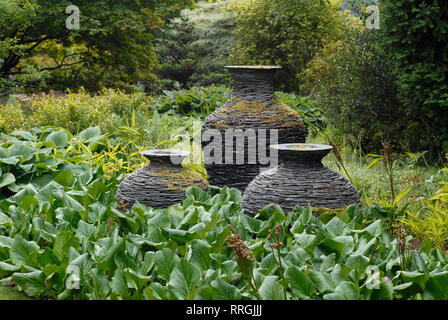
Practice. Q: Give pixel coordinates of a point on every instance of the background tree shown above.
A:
(352, 81)
(416, 34)
(193, 49)
(114, 37)
(186, 58)
(284, 32)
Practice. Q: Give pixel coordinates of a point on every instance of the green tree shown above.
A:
(186, 58)
(352, 81)
(416, 34)
(116, 36)
(284, 32)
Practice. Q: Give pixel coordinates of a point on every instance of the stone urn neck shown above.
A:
(165, 157)
(301, 154)
(253, 82)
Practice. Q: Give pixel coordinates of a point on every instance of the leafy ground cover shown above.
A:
(64, 236)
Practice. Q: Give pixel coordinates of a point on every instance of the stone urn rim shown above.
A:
(308, 152)
(165, 155)
(254, 68)
(308, 147)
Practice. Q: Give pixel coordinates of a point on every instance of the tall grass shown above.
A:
(373, 183)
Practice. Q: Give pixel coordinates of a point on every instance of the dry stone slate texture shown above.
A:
(162, 183)
(253, 105)
(299, 179)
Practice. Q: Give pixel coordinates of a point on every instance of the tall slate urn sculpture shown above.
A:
(253, 105)
(299, 179)
(162, 183)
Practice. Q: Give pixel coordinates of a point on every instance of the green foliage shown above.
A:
(200, 102)
(77, 111)
(114, 39)
(214, 23)
(353, 83)
(36, 157)
(11, 118)
(60, 227)
(195, 101)
(416, 34)
(431, 221)
(186, 58)
(313, 117)
(410, 172)
(286, 33)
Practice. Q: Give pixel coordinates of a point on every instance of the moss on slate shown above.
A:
(180, 180)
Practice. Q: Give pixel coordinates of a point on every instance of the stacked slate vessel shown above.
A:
(162, 183)
(253, 105)
(299, 179)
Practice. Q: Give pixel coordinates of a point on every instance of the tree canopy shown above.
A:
(116, 35)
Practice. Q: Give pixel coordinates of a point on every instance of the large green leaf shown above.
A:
(252, 225)
(384, 292)
(119, 283)
(5, 220)
(101, 285)
(200, 254)
(159, 220)
(300, 284)
(64, 240)
(7, 179)
(24, 134)
(223, 290)
(21, 250)
(322, 281)
(165, 261)
(8, 267)
(10, 160)
(184, 280)
(270, 289)
(59, 138)
(91, 134)
(416, 277)
(344, 291)
(336, 227)
(197, 194)
(155, 291)
(138, 280)
(437, 286)
(22, 150)
(33, 283)
(65, 178)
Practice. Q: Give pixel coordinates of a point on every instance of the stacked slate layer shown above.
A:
(253, 105)
(162, 183)
(299, 179)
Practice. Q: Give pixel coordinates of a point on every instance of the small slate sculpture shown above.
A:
(162, 183)
(299, 179)
(253, 105)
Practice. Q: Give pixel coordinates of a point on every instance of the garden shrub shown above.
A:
(431, 220)
(288, 33)
(312, 115)
(199, 101)
(77, 111)
(416, 34)
(11, 118)
(353, 83)
(188, 57)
